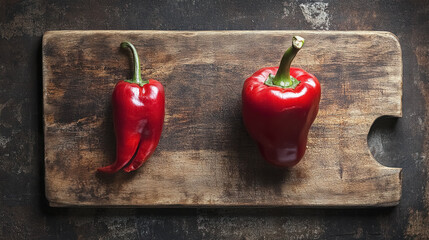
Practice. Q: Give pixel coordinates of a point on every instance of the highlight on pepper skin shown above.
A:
(279, 105)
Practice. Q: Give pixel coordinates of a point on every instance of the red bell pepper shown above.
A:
(138, 115)
(279, 104)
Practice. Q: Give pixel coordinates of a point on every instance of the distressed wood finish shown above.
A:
(205, 157)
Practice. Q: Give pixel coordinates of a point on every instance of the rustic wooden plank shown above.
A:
(205, 157)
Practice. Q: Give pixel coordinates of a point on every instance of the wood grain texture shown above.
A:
(205, 157)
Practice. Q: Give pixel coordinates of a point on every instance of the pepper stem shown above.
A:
(283, 78)
(137, 76)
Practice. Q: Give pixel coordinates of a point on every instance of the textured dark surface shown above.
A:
(403, 142)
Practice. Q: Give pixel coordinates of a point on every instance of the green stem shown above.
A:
(283, 78)
(137, 76)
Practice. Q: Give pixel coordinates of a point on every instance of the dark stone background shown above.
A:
(404, 142)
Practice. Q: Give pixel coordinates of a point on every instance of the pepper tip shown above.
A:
(107, 169)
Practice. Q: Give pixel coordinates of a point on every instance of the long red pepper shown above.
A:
(278, 110)
(138, 115)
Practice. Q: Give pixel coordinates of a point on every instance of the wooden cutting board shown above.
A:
(205, 157)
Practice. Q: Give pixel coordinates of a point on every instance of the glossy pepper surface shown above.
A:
(138, 115)
(279, 104)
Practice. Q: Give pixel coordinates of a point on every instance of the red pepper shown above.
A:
(138, 114)
(278, 110)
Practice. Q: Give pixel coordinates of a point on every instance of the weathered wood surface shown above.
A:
(205, 157)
